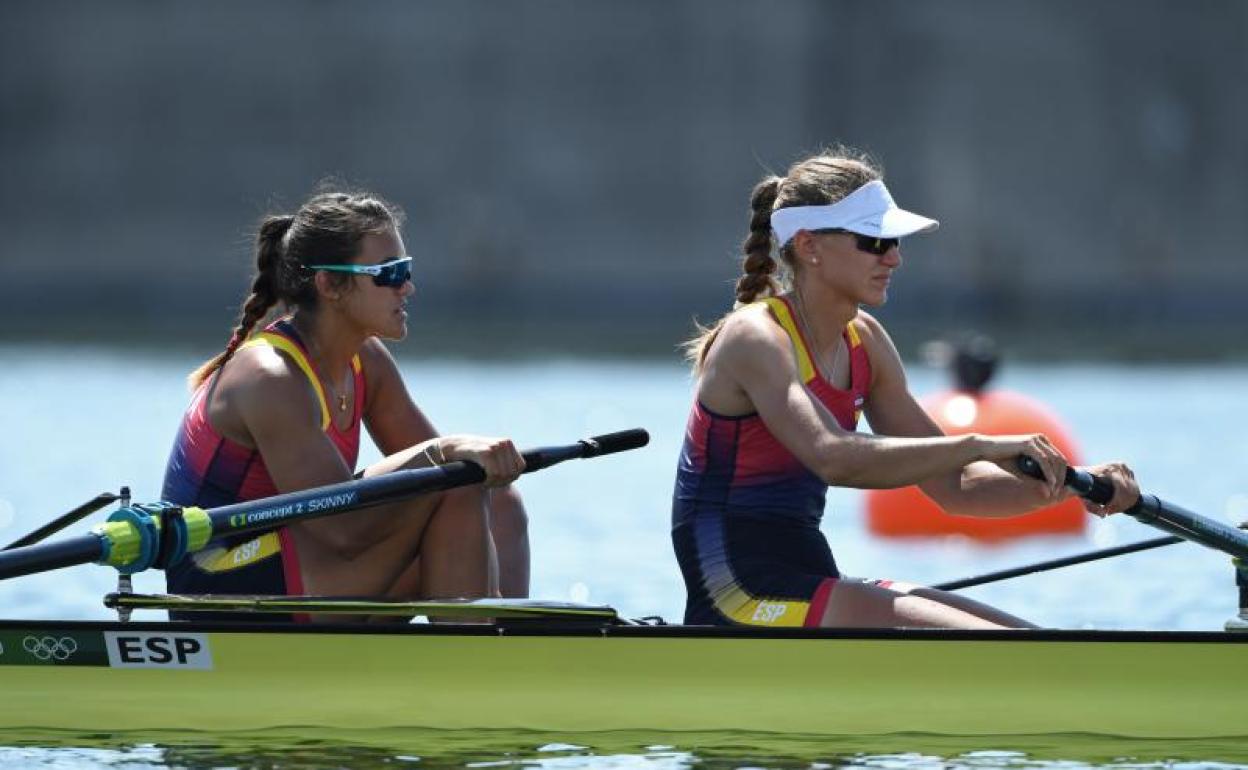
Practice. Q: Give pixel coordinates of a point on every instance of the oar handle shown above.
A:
(594, 446)
(1153, 511)
(1089, 486)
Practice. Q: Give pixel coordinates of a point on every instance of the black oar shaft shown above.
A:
(255, 515)
(1068, 561)
(1165, 515)
(41, 557)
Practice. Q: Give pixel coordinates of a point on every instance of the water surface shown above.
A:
(80, 420)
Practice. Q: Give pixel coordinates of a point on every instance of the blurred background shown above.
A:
(576, 174)
(576, 178)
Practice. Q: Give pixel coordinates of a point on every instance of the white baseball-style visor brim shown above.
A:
(869, 210)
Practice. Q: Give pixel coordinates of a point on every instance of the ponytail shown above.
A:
(263, 294)
(757, 268)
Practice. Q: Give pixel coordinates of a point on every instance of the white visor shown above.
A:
(869, 210)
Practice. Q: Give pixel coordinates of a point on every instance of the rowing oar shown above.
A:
(1149, 509)
(1153, 511)
(138, 537)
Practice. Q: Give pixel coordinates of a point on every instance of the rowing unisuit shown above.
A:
(746, 512)
(208, 470)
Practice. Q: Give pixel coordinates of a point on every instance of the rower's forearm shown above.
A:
(888, 462)
(987, 491)
(415, 456)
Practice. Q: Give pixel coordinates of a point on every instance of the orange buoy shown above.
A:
(907, 511)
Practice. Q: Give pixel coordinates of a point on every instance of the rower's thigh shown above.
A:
(855, 604)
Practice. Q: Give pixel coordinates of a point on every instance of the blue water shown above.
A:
(81, 420)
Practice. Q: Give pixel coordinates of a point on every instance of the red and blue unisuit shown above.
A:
(746, 511)
(208, 470)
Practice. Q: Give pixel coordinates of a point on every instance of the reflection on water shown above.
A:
(363, 750)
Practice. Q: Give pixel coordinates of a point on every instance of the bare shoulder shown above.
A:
(870, 329)
(886, 366)
(377, 360)
(751, 330)
(380, 368)
(874, 336)
(751, 354)
(261, 377)
(374, 353)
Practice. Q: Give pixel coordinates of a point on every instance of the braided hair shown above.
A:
(819, 180)
(327, 230)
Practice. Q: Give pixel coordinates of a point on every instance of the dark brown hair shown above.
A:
(815, 181)
(326, 230)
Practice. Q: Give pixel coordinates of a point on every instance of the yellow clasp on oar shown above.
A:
(133, 541)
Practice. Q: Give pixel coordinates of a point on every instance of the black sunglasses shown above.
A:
(868, 243)
(392, 274)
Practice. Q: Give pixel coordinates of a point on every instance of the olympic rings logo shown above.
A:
(50, 647)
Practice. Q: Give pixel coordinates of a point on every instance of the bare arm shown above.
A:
(398, 427)
(979, 488)
(754, 357)
(403, 433)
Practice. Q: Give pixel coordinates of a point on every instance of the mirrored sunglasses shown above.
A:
(392, 273)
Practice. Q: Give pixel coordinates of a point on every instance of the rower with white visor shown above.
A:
(782, 383)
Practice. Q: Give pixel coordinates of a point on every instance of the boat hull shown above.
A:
(158, 676)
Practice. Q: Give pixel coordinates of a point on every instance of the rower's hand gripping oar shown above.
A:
(134, 539)
(1152, 510)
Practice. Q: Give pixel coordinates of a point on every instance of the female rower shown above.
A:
(280, 410)
(781, 383)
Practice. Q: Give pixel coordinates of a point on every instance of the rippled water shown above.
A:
(365, 750)
(654, 750)
(83, 420)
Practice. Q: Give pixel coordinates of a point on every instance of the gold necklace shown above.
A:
(339, 395)
(830, 372)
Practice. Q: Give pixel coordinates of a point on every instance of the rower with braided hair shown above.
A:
(782, 381)
(280, 410)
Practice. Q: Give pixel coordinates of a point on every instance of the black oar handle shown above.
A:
(595, 446)
(1152, 510)
(1089, 486)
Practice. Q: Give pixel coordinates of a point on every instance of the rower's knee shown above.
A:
(465, 508)
(508, 521)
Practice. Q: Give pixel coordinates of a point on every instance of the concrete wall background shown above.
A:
(579, 171)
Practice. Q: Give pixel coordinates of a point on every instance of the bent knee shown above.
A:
(507, 514)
